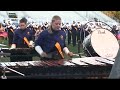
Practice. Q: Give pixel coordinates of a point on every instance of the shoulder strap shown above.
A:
(57, 45)
(26, 40)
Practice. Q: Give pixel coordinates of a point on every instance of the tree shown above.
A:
(112, 14)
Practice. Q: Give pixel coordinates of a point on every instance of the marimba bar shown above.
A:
(75, 68)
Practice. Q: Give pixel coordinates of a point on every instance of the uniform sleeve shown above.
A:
(40, 39)
(15, 38)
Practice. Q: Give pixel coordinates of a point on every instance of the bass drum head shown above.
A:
(104, 43)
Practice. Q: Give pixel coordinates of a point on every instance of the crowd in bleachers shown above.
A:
(72, 30)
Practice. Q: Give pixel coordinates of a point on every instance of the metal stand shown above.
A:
(4, 69)
(79, 48)
(3, 76)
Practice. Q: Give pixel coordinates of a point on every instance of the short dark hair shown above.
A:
(23, 20)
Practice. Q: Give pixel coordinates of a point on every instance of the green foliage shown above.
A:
(112, 14)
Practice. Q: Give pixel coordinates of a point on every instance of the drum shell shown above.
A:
(88, 47)
(101, 42)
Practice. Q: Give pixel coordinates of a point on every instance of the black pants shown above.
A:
(74, 37)
(69, 37)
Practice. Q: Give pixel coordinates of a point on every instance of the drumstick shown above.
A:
(77, 54)
(74, 55)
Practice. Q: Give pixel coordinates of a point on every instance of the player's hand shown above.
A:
(13, 46)
(31, 45)
(70, 54)
(43, 54)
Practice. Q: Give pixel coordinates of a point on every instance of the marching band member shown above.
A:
(74, 33)
(22, 39)
(51, 42)
(3, 33)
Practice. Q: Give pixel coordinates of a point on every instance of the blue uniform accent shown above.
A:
(18, 40)
(47, 40)
(19, 35)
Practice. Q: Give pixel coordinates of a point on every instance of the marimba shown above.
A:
(19, 54)
(88, 67)
(18, 50)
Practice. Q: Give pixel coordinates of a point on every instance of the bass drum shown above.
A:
(101, 42)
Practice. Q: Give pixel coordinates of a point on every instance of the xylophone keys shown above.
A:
(105, 61)
(7, 64)
(30, 63)
(91, 61)
(77, 61)
(19, 64)
(49, 63)
(2, 64)
(13, 64)
(67, 63)
(37, 63)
